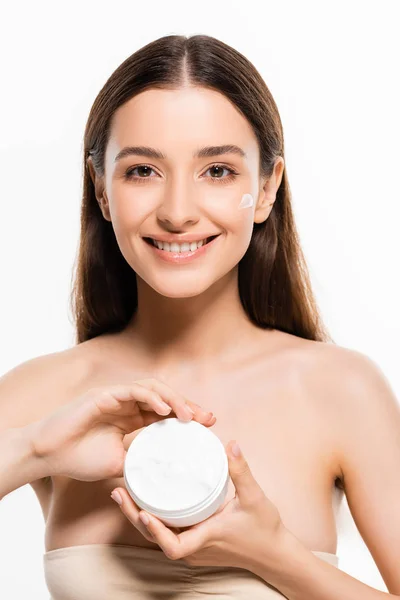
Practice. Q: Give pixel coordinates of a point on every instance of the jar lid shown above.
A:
(173, 466)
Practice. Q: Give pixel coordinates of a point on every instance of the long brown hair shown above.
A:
(274, 284)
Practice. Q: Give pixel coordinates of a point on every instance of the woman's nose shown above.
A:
(178, 206)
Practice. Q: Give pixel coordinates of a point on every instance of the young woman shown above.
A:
(190, 274)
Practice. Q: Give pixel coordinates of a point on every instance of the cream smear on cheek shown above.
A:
(247, 201)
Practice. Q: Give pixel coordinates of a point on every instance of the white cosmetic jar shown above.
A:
(178, 471)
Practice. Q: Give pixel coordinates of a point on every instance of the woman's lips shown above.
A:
(182, 257)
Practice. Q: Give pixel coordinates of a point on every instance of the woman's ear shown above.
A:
(99, 191)
(268, 192)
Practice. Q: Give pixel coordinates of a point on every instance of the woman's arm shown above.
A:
(18, 463)
(27, 394)
(368, 416)
(84, 439)
(301, 575)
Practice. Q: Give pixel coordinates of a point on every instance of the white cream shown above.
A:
(247, 201)
(178, 471)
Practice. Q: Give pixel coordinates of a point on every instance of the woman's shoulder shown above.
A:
(335, 378)
(338, 366)
(348, 388)
(36, 386)
(326, 360)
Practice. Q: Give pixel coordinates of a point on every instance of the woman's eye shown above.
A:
(145, 170)
(221, 169)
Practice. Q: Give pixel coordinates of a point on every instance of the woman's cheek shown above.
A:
(131, 209)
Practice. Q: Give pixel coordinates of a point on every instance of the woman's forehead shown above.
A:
(196, 115)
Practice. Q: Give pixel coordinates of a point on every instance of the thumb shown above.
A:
(246, 487)
(129, 437)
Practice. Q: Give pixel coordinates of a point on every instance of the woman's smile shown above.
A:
(177, 257)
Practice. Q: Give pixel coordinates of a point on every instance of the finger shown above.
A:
(131, 511)
(179, 403)
(208, 419)
(139, 397)
(149, 394)
(115, 399)
(247, 488)
(176, 546)
(150, 417)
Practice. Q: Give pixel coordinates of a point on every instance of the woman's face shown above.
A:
(181, 193)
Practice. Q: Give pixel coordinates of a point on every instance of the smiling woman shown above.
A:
(192, 110)
(190, 271)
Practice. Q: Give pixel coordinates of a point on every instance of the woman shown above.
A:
(184, 144)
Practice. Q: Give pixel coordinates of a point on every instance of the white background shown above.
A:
(332, 68)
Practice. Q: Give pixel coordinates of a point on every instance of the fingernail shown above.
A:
(117, 497)
(236, 450)
(189, 409)
(144, 518)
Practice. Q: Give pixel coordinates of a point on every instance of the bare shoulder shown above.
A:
(353, 392)
(342, 372)
(35, 387)
(328, 365)
(342, 377)
(364, 403)
(342, 381)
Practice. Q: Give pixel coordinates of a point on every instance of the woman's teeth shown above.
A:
(174, 247)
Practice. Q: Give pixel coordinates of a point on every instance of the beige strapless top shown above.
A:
(122, 572)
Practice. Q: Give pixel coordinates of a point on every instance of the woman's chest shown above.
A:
(284, 438)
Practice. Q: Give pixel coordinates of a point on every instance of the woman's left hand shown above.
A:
(246, 530)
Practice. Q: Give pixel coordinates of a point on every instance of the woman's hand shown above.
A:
(246, 530)
(84, 438)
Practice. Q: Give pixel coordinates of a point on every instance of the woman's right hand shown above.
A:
(84, 438)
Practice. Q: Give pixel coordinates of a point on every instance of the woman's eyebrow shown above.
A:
(206, 151)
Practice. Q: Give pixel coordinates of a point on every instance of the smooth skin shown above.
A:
(188, 314)
(84, 439)
(190, 317)
(306, 414)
